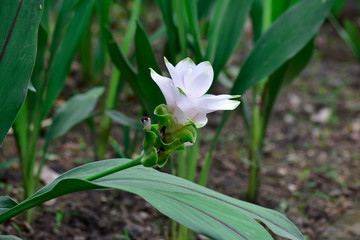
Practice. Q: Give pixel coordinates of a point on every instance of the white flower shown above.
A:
(185, 92)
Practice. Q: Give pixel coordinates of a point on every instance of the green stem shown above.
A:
(181, 164)
(255, 148)
(129, 164)
(33, 201)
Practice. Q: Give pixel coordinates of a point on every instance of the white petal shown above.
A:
(184, 66)
(175, 76)
(167, 88)
(200, 120)
(180, 116)
(200, 80)
(210, 103)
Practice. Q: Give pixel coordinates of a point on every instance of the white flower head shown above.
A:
(185, 92)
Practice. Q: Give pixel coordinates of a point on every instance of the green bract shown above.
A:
(165, 137)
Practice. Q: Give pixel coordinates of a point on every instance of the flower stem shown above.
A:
(129, 164)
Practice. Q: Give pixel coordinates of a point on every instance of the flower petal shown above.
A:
(167, 87)
(184, 66)
(175, 76)
(210, 103)
(200, 120)
(200, 80)
(180, 116)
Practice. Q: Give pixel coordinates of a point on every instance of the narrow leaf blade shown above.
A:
(76, 110)
(286, 36)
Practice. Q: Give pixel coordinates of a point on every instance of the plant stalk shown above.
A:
(129, 164)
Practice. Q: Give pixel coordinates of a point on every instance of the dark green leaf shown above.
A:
(62, 20)
(6, 203)
(286, 36)
(146, 59)
(125, 67)
(354, 35)
(350, 34)
(18, 40)
(166, 8)
(284, 76)
(76, 110)
(205, 211)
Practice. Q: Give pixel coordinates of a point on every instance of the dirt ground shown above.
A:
(311, 163)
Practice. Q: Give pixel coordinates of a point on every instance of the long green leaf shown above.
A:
(124, 120)
(286, 36)
(18, 40)
(284, 76)
(66, 52)
(125, 67)
(65, 12)
(146, 59)
(350, 34)
(9, 237)
(166, 8)
(354, 34)
(76, 110)
(225, 30)
(191, 13)
(205, 211)
(6, 203)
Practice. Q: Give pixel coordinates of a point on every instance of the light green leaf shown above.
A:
(124, 120)
(205, 211)
(18, 40)
(76, 110)
(9, 237)
(286, 36)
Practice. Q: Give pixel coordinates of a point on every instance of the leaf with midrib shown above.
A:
(201, 209)
(18, 39)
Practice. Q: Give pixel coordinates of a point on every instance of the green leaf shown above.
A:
(146, 59)
(18, 40)
(125, 67)
(103, 12)
(223, 37)
(193, 22)
(166, 8)
(354, 35)
(60, 67)
(62, 20)
(76, 110)
(124, 120)
(9, 237)
(286, 36)
(6, 203)
(205, 211)
(350, 34)
(284, 76)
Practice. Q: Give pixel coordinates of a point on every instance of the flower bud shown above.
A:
(146, 121)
